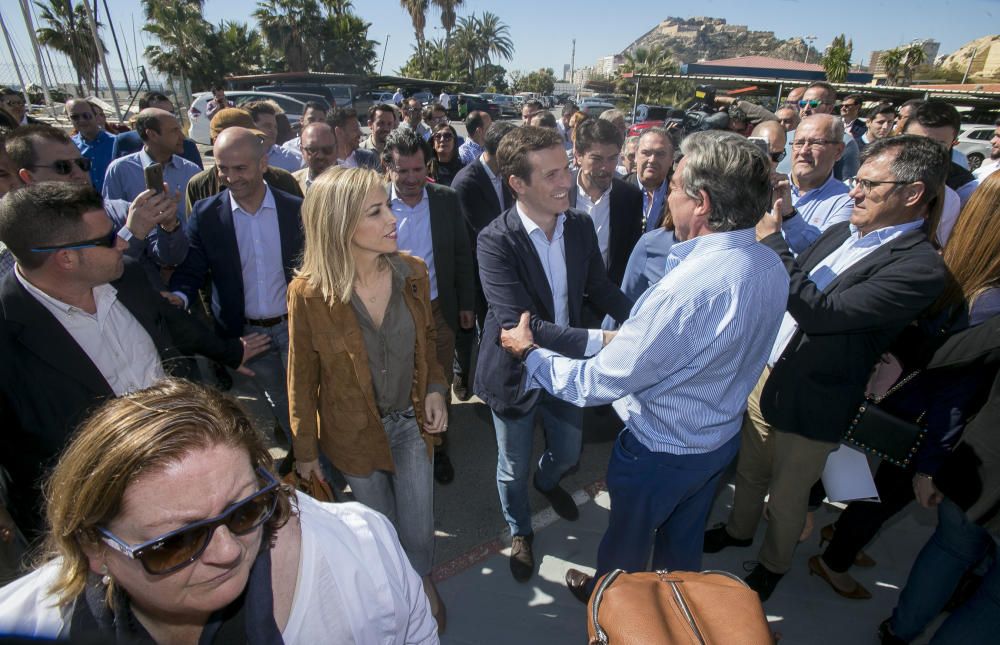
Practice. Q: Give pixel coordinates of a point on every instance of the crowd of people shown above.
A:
(732, 294)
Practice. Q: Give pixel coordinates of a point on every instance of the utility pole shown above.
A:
(572, 68)
(385, 47)
(38, 57)
(100, 55)
(809, 41)
(968, 67)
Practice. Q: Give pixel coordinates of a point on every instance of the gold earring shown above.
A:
(106, 577)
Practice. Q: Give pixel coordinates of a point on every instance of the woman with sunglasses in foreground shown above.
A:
(365, 389)
(169, 526)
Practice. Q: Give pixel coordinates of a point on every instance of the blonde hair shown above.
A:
(123, 440)
(575, 120)
(971, 252)
(330, 215)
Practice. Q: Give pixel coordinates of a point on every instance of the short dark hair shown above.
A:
(314, 105)
(512, 155)
(146, 122)
(569, 107)
(882, 108)
(668, 134)
(44, 214)
(935, 113)
(151, 97)
(7, 91)
(339, 116)
(405, 143)
(596, 131)
(912, 103)
(495, 133)
(256, 108)
(545, 120)
(21, 142)
(218, 86)
(535, 103)
(917, 159)
(474, 121)
(854, 97)
(381, 107)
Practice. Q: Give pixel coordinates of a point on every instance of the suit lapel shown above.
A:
(290, 229)
(878, 256)
(574, 245)
(438, 230)
(825, 245)
(228, 241)
(42, 335)
(614, 232)
(483, 180)
(536, 274)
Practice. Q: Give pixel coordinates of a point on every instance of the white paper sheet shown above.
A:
(847, 476)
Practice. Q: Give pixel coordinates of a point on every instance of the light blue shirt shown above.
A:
(285, 159)
(413, 232)
(653, 213)
(646, 265)
(682, 366)
(847, 166)
(819, 209)
(125, 178)
(552, 255)
(99, 152)
(854, 249)
(258, 237)
(469, 151)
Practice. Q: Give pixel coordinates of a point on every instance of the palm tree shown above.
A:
(913, 57)
(286, 28)
(68, 32)
(241, 48)
(448, 18)
(837, 59)
(495, 36)
(651, 61)
(182, 32)
(892, 61)
(418, 16)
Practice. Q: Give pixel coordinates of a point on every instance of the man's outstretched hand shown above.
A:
(518, 340)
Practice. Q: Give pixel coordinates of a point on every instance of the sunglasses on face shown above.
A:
(314, 150)
(443, 137)
(108, 240)
(65, 166)
(177, 549)
(813, 103)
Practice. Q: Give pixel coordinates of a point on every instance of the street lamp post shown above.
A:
(809, 41)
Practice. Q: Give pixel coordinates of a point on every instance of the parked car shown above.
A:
(648, 116)
(200, 131)
(472, 103)
(594, 109)
(974, 142)
(507, 105)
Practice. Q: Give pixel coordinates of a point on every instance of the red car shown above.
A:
(648, 116)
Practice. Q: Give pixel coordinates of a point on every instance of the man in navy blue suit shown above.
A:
(539, 256)
(248, 238)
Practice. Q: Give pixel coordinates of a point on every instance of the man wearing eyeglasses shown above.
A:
(821, 98)
(79, 324)
(92, 140)
(13, 104)
(814, 200)
(319, 149)
(149, 224)
(851, 294)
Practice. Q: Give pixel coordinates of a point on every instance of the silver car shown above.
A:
(200, 123)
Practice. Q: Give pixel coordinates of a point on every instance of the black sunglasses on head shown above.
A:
(108, 240)
(65, 166)
(177, 549)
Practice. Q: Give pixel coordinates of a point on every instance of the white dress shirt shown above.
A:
(112, 338)
(552, 255)
(413, 232)
(258, 237)
(600, 212)
(854, 249)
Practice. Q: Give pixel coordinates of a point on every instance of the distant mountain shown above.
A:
(689, 40)
(982, 48)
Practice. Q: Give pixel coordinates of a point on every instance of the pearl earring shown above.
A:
(106, 578)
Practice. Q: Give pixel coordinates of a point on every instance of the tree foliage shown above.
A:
(837, 59)
(542, 81)
(655, 91)
(68, 31)
(901, 63)
(475, 43)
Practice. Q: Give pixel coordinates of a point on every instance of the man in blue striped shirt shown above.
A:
(681, 367)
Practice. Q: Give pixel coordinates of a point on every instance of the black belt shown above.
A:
(267, 322)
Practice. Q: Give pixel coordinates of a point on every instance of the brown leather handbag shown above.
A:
(318, 490)
(664, 607)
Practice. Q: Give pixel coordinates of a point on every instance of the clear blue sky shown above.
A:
(542, 31)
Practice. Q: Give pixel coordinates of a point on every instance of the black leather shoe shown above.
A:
(562, 502)
(717, 538)
(462, 392)
(763, 581)
(444, 472)
(522, 561)
(579, 584)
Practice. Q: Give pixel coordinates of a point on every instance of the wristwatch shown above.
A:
(785, 218)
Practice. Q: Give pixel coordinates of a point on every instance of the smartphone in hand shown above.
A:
(154, 177)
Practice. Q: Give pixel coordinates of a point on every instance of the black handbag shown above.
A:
(883, 434)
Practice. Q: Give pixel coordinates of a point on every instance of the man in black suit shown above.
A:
(614, 206)
(539, 256)
(79, 324)
(482, 195)
(851, 294)
(248, 238)
(429, 225)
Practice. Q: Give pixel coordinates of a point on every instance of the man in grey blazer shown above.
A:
(430, 226)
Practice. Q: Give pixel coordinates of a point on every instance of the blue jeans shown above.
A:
(659, 502)
(271, 372)
(406, 496)
(958, 544)
(563, 424)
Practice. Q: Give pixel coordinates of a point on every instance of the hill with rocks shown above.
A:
(689, 40)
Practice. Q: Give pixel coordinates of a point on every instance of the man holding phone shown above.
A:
(163, 143)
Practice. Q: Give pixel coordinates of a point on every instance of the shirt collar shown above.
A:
(267, 203)
(146, 160)
(582, 192)
(489, 171)
(883, 235)
(393, 197)
(713, 242)
(101, 292)
(798, 194)
(530, 226)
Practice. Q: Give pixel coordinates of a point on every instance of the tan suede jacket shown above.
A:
(330, 394)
